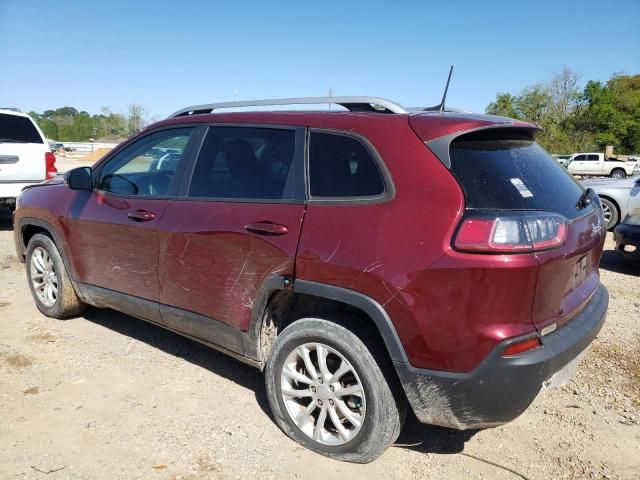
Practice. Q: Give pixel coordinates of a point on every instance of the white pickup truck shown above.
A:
(25, 157)
(597, 165)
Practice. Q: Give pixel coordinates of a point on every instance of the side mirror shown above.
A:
(79, 178)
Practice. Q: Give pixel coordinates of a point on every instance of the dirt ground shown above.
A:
(106, 396)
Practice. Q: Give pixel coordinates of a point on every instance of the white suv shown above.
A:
(25, 157)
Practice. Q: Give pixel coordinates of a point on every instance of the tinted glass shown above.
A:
(512, 173)
(244, 162)
(18, 129)
(146, 167)
(341, 166)
(580, 158)
(592, 158)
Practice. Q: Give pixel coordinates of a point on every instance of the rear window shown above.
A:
(341, 166)
(512, 172)
(14, 128)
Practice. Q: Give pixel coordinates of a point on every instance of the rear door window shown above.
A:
(18, 129)
(592, 158)
(341, 166)
(510, 171)
(249, 163)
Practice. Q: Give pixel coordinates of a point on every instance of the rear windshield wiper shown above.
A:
(585, 199)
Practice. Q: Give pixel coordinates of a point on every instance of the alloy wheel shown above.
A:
(44, 277)
(606, 210)
(323, 394)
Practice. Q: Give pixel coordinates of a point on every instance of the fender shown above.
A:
(275, 283)
(51, 230)
(368, 305)
(29, 221)
(251, 338)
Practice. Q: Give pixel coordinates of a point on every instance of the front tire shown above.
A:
(49, 283)
(328, 392)
(611, 215)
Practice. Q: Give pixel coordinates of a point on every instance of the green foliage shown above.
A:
(67, 124)
(575, 120)
(504, 106)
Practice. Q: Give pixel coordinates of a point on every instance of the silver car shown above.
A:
(619, 197)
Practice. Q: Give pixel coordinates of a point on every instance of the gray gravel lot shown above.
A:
(107, 396)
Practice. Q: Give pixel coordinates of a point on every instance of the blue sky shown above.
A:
(166, 55)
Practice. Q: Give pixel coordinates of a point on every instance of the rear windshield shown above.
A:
(512, 172)
(14, 128)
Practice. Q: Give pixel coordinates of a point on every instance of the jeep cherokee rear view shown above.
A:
(366, 260)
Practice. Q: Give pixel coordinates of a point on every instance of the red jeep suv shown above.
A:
(366, 260)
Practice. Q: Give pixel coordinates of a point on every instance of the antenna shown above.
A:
(440, 106)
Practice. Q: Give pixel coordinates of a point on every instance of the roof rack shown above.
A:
(353, 104)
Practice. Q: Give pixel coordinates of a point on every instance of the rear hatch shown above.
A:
(22, 150)
(505, 174)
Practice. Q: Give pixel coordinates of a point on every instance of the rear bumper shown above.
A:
(627, 235)
(500, 389)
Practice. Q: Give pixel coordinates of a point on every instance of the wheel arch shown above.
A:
(276, 307)
(32, 226)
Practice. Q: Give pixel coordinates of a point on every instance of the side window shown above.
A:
(580, 158)
(592, 158)
(19, 129)
(146, 167)
(341, 166)
(244, 162)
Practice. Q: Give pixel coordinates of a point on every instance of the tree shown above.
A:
(611, 113)
(574, 120)
(110, 125)
(504, 106)
(533, 103)
(137, 118)
(564, 95)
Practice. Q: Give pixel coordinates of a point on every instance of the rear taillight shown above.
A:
(511, 233)
(50, 165)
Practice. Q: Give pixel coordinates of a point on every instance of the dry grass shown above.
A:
(96, 155)
(17, 360)
(31, 391)
(43, 337)
(625, 363)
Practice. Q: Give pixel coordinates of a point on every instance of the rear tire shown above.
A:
(49, 283)
(618, 173)
(355, 427)
(611, 215)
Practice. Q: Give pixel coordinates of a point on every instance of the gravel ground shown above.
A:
(107, 396)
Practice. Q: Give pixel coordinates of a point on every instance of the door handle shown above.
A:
(141, 216)
(268, 228)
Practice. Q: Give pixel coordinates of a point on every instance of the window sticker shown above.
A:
(522, 188)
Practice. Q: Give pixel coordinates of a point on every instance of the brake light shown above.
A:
(521, 347)
(511, 233)
(50, 165)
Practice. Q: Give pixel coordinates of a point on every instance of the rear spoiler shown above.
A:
(441, 146)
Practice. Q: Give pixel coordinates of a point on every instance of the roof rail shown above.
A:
(353, 104)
